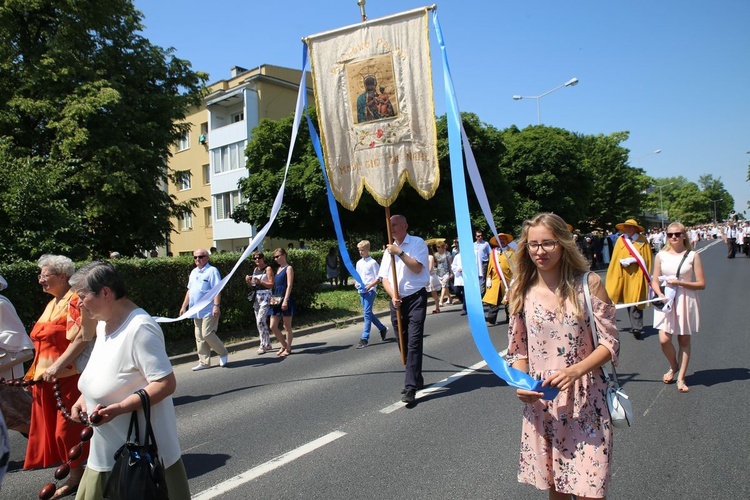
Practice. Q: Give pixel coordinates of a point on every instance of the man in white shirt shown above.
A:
(408, 297)
(368, 268)
(745, 238)
(730, 239)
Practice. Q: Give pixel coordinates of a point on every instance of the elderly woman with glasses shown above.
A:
(283, 311)
(261, 283)
(61, 339)
(681, 270)
(129, 355)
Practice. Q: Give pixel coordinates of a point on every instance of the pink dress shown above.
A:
(566, 442)
(684, 318)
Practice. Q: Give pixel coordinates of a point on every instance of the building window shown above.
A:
(207, 217)
(237, 117)
(206, 174)
(203, 137)
(186, 222)
(225, 204)
(228, 158)
(184, 142)
(183, 180)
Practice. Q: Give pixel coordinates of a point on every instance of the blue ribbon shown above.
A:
(331, 200)
(497, 364)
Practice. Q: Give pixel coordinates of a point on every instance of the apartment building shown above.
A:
(210, 159)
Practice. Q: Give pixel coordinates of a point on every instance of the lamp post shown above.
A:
(570, 83)
(654, 152)
(661, 200)
(715, 202)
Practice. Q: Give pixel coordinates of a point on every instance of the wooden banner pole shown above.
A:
(394, 285)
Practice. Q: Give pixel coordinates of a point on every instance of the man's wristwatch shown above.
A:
(401, 254)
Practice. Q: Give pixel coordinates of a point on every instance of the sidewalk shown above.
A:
(255, 341)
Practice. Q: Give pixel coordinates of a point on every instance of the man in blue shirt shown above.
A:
(482, 252)
(202, 280)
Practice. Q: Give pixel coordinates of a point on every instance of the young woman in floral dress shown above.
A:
(566, 443)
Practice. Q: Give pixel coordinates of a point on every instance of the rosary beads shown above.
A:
(75, 452)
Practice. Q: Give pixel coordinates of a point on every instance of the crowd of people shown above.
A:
(537, 280)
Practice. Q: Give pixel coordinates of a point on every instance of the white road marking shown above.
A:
(436, 387)
(261, 469)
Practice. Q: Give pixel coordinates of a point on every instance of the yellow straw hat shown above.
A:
(494, 243)
(629, 222)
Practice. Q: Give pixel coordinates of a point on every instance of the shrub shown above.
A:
(159, 286)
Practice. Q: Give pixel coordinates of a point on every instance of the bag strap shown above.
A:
(594, 334)
(679, 268)
(134, 425)
(149, 438)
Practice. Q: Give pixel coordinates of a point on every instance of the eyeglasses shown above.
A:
(548, 245)
(46, 276)
(674, 235)
(276, 256)
(257, 258)
(196, 257)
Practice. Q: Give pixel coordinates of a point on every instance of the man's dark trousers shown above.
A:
(731, 247)
(413, 314)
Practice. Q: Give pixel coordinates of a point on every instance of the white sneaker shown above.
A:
(200, 366)
(223, 361)
(262, 349)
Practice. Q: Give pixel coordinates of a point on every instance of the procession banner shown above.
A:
(373, 94)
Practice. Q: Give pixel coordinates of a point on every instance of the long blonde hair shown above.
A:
(685, 239)
(572, 265)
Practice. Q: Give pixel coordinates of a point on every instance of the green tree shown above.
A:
(714, 190)
(546, 171)
(689, 205)
(617, 187)
(88, 110)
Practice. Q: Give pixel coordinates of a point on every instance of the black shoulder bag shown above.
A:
(138, 471)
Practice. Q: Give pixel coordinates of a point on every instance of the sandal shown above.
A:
(668, 377)
(435, 311)
(282, 352)
(682, 387)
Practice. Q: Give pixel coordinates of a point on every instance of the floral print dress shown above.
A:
(566, 442)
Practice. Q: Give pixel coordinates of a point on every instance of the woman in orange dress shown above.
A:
(59, 340)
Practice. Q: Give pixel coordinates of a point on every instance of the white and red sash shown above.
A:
(639, 260)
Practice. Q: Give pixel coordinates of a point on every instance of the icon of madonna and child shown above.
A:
(374, 103)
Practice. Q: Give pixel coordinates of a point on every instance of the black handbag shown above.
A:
(138, 471)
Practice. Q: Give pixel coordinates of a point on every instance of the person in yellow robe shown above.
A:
(495, 295)
(626, 283)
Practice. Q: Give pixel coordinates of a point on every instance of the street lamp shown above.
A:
(661, 200)
(654, 152)
(715, 202)
(570, 83)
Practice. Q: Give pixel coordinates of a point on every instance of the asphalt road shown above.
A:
(326, 423)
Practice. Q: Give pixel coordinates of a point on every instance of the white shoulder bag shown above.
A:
(618, 403)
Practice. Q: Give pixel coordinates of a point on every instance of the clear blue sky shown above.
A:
(674, 73)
